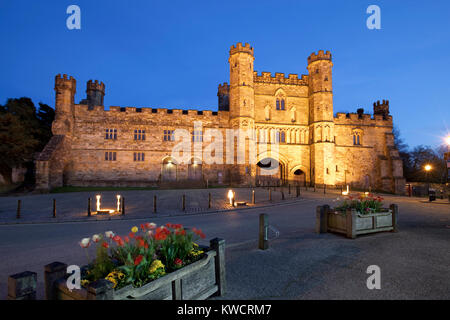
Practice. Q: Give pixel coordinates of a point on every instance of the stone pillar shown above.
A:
(22, 286)
(218, 245)
(53, 272)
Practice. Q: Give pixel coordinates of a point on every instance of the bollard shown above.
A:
(298, 191)
(18, 209)
(154, 203)
(324, 188)
(263, 242)
(183, 202)
(89, 207)
(289, 189)
(253, 197)
(54, 208)
(270, 195)
(282, 195)
(314, 187)
(123, 206)
(209, 200)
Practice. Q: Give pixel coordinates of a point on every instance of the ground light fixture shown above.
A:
(99, 209)
(345, 193)
(231, 196)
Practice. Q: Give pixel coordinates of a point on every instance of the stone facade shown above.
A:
(94, 146)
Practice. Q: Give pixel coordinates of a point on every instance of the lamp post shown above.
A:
(428, 169)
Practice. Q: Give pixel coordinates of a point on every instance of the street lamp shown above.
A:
(428, 169)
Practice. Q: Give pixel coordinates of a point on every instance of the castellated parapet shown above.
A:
(319, 56)
(97, 146)
(65, 82)
(239, 47)
(381, 108)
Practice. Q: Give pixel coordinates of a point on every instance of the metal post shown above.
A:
(123, 206)
(314, 187)
(270, 195)
(289, 189)
(154, 203)
(54, 208)
(209, 200)
(263, 242)
(253, 197)
(324, 188)
(282, 195)
(18, 209)
(183, 202)
(89, 207)
(298, 191)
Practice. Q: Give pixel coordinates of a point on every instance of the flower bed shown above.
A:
(149, 263)
(356, 216)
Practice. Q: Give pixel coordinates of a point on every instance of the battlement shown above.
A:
(223, 88)
(319, 56)
(381, 108)
(280, 78)
(361, 119)
(65, 82)
(166, 112)
(241, 48)
(95, 86)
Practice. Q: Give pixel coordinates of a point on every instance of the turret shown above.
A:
(321, 121)
(241, 92)
(381, 108)
(223, 95)
(65, 89)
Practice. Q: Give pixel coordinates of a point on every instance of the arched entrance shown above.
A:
(299, 177)
(195, 170)
(271, 170)
(169, 170)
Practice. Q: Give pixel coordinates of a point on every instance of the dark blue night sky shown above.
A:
(174, 53)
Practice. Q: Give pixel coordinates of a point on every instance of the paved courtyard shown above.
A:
(299, 264)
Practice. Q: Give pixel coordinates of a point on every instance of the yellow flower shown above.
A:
(156, 264)
(134, 229)
(113, 280)
(84, 282)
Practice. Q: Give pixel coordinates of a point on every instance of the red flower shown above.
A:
(138, 260)
(142, 227)
(160, 236)
(126, 239)
(117, 238)
(199, 233)
(178, 262)
(131, 235)
(141, 243)
(105, 245)
(181, 232)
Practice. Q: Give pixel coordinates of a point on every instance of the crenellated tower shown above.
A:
(95, 91)
(223, 93)
(321, 122)
(65, 88)
(242, 107)
(241, 91)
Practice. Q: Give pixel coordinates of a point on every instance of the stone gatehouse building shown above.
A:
(132, 146)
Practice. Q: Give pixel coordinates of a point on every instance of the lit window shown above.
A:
(110, 156)
(168, 135)
(197, 136)
(139, 156)
(139, 134)
(111, 134)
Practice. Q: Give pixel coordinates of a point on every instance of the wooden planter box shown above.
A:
(197, 281)
(352, 223)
